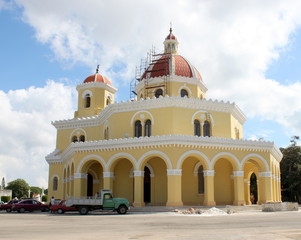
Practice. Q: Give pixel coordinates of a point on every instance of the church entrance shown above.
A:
(253, 189)
(90, 185)
(147, 185)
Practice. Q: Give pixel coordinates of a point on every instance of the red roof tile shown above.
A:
(97, 78)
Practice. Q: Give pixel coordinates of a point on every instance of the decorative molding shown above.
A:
(154, 103)
(265, 174)
(87, 92)
(142, 117)
(138, 173)
(80, 175)
(209, 172)
(108, 174)
(176, 172)
(238, 173)
(172, 141)
(96, 85)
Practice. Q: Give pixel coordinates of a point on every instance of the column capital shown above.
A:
(238, 173)
(174, 172)
(138, 173)
(108, 174)
(80, 175)
(265, 174)
(209, 172)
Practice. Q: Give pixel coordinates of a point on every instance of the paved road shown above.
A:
(253, 225)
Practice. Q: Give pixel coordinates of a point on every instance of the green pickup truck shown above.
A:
(104, 202)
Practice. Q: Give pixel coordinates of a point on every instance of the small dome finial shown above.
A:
(170, 29)
(97, 68)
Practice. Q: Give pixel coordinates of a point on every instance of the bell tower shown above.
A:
(94, 94)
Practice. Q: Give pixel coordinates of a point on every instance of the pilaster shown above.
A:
(238, 177)
(138, 188)
(174, 187)
(209, 188)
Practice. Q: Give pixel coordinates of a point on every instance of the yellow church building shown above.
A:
(168, 146)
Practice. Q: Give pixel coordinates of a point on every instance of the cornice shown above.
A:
(96, 85)
(154, 103)
(173, 141)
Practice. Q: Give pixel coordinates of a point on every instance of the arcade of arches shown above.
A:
(197, 181)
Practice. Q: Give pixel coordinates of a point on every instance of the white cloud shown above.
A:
(231, 42)
(26, 133)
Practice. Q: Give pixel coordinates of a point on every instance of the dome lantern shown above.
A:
(171, 43)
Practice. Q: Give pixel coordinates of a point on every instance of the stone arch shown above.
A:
(87, 92)
(93, 173)
(230, 157)
(261, 162)
(114, 159)
(120, 165)
(194, 116)
(194, 153)
(224, 165)
(74, 133)
(150, 154)
(72, 178)
(185, 87)
(149, 116)
(91, 157)
(146, 165)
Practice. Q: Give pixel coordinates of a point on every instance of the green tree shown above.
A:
(291, 172)
(19, 188)
(35, 190)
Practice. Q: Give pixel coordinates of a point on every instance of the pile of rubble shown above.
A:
(208, 212)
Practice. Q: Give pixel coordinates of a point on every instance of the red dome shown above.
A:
(171, 64)
(170, 37)
(97, 78)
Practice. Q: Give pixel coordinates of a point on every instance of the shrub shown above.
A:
(5, 198)
(44, 198)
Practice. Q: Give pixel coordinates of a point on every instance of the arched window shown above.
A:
(184, 93)
(236, 133)
(197, 128)
(82, 138)
(158, 93)
(148, 128)
(106, 133)
(108, 100)
(55, 183)
(138, 129)
(201, 180)
(74, 139)
(87, 101)
(206, 129)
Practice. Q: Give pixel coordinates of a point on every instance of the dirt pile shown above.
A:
(205, 212)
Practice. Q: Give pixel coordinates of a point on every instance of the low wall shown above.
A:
(280, 206)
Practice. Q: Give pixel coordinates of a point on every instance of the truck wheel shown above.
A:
(60, 211)
(8, 209)
(122, 209)
(83, 210)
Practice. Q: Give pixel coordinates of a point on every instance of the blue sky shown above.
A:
(48, 45)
